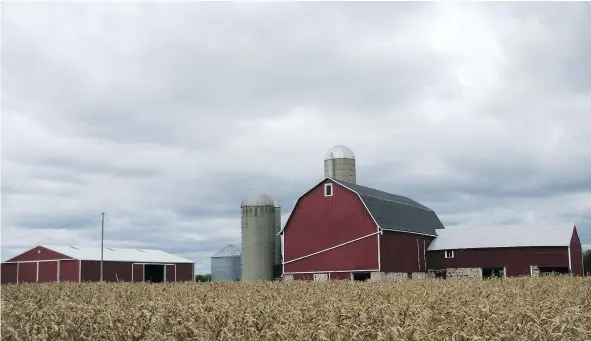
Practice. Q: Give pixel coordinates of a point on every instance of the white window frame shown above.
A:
(329, 185)
(452, 254)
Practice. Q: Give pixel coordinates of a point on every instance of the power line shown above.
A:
(53, 229)
(160, 231)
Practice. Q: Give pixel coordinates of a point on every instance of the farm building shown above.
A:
(341, 230)
(83, 264)
(507, 250)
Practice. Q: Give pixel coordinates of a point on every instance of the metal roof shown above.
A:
(339, 152)
(502, 236)
(394, 212)
(258, 199)
(229, 251)
(117, 254)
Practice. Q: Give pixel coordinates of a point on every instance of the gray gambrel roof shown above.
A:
(395, 212)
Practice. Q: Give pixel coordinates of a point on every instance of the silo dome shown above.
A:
(258, 199)
(339, 152)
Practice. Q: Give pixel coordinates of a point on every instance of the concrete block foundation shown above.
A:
(464, 273)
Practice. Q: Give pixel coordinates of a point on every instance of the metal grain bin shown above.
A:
(225, 264)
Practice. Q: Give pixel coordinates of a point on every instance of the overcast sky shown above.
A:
(165, 116)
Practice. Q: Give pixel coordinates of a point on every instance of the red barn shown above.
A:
(341, 230)
(83, 264)
(508, 250)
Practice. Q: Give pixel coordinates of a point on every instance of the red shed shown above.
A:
(82, 264)
(346, 230)
(511, 250)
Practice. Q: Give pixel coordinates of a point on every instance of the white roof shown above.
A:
(502, 236)
(339, 152)
(258, 199)
(117, 254)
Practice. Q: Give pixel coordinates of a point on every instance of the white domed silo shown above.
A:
(226, 264)
(258, 237)
(339, 164)
(277, 215)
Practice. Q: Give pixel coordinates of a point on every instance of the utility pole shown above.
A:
(102, 241)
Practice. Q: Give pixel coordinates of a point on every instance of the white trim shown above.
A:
(313, 272)
(59, 263)
(453, 254)
(37, 280)
(164, 281)
(296, 203)
(381, 233)
(38, 261)
(328, 185)
(570, 269)
(132, 272)
(331, 248)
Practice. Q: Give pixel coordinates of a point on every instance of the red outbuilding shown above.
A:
(509, 250)
(83, 264)
(343, 230)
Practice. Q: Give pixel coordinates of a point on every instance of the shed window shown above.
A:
(328, 190)
(449, 253)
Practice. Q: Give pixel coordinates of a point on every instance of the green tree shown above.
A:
(203, 278)
(587, 262)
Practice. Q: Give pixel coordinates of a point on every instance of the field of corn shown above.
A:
(545, 308)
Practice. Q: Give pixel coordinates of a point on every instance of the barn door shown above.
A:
(138, 273)
(170, 272)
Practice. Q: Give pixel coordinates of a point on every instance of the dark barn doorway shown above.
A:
(551, 271)
(154, 273)
(361, 276)
(493, 272)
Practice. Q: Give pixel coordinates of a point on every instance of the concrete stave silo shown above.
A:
(258, 237)
(226, 264)
(339, 164)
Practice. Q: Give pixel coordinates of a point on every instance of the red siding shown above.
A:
(184, 272)
(303, 277)
(170, 273)
(320, 222)
(9, 273)
(138, 272)
(27, 272)
(69, 270)
(403, 252)
(112, 271)
(576, 254)
(38, 253)
(517, 260)
(340, 276)
(48, 271)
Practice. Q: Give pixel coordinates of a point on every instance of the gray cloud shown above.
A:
(166, 115)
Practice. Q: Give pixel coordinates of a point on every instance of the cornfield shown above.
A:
(545, 308)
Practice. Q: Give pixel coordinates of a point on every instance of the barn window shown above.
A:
(449, 253)
(328, 190)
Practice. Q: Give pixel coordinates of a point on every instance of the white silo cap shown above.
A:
(258, 199)
(276, 203)
(339, 152)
